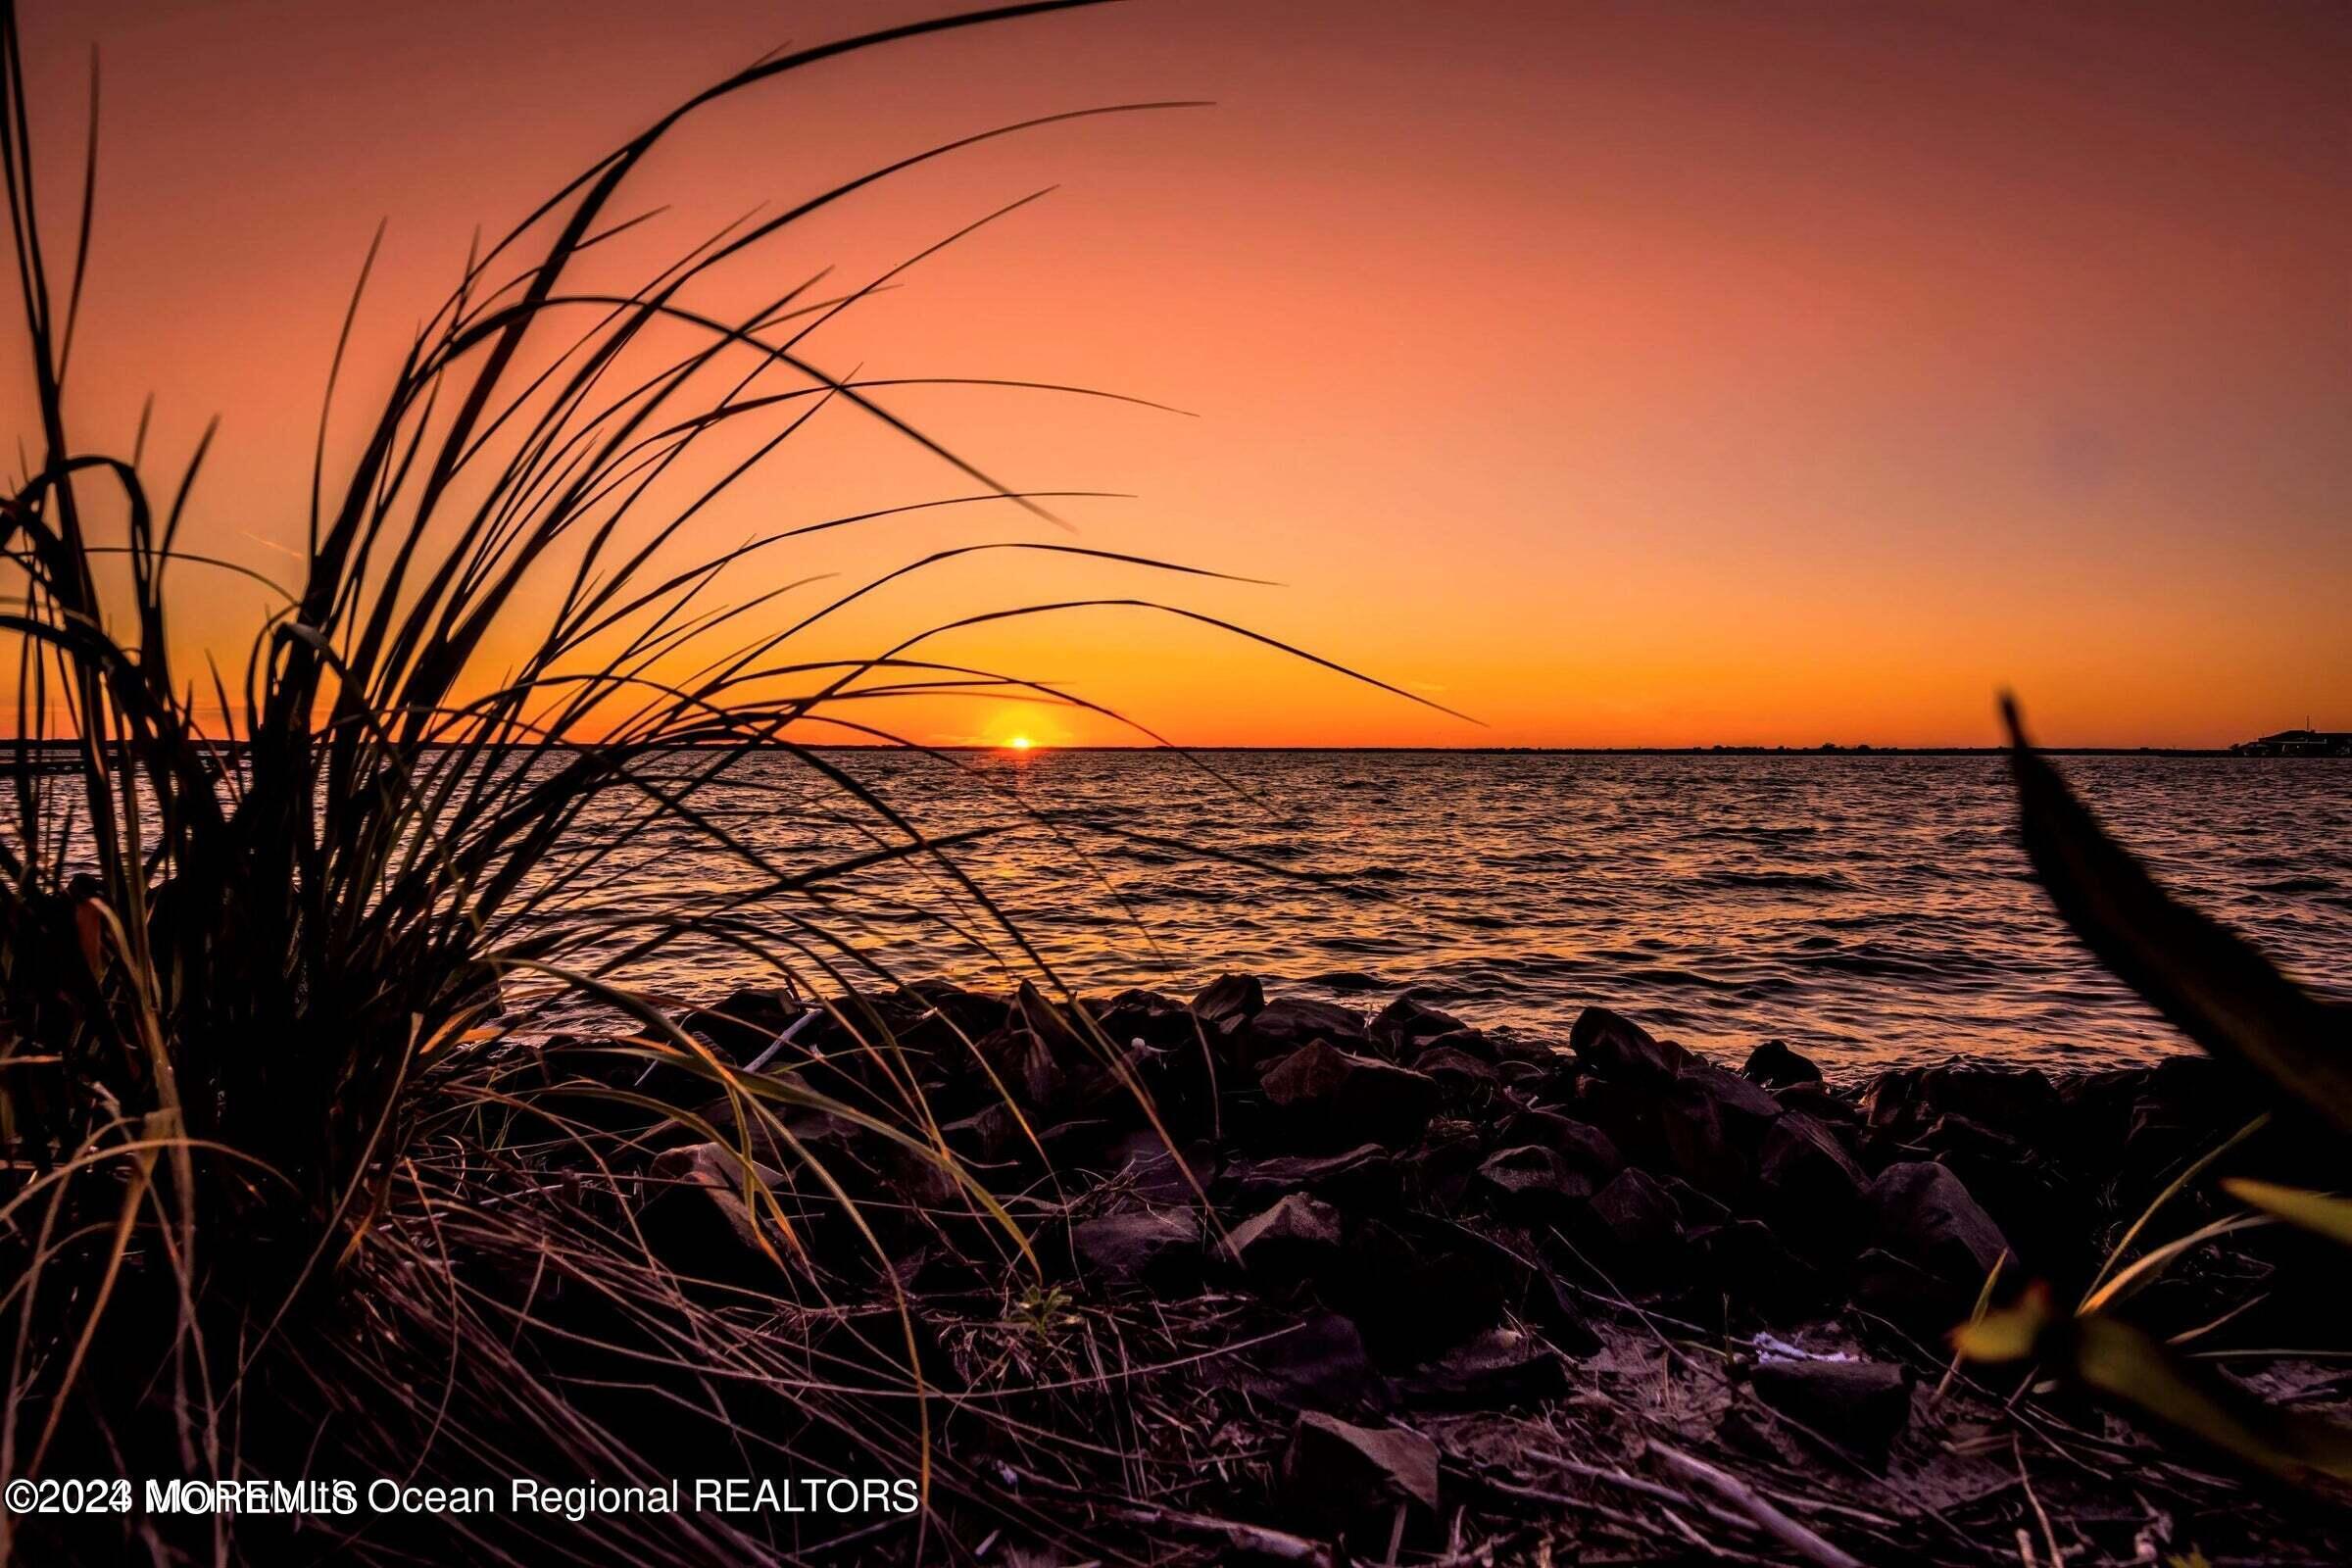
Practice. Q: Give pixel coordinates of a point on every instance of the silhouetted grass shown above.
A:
(2231, 999)
(284, 1194)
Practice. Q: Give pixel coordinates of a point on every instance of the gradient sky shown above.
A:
(1619, 373)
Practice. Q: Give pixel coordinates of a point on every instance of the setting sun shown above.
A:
(1020, 742)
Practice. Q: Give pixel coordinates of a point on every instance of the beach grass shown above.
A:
(297, 1181)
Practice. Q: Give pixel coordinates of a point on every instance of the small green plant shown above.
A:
(2226, 997)
(1043, 1309)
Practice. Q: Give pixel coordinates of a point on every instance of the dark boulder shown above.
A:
(1695, 1206)
(1413, 1294)
(934, 1019)
(1328, 1096)
(1288, 1022)
(1319, 1365)
(1924, 1215)
(1500, 1369)
(1405, 1025)
(1464, 1081)
(1145, 1166)
(1584, 1146)
(1810, 1187)
(1296, 1239)
(989, 1136)
(1713, 1123)
(1553, 1305)
(1534, 1182)
(1366, 1176)
(1774, 1065)
(1819, 1101)
(1900, 1291)
(1336, 1473)
(1639, 1218)
(1635, 1225)
(2018, 1101)
(1617, 1048)
(1862, 1407)
(1440, 1168)
(1139, 1247)
(1037, 1075)
(1147, 1017)
(1747, 1263)
(1628, 1113)
(2044, 1213)
(742, 1026)
(1229, 1001)
(695, 1216)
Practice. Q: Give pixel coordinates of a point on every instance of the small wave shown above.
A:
(1814, 881)
(1348, 980)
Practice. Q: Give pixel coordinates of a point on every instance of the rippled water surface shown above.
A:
(1868, 910)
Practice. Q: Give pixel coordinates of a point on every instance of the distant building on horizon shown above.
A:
(2299, 743)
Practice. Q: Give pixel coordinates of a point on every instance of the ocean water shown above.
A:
(1867, 909)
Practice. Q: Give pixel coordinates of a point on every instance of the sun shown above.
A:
(1020, 742)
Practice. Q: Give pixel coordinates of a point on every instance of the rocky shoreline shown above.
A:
(1395, 1288)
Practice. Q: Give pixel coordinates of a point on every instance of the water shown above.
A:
(1869, 910)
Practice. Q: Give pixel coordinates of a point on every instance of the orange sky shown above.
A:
(1619, 373)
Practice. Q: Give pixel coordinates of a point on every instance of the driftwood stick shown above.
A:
(1770, 1519)
(1257, 1540)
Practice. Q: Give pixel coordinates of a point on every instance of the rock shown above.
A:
(1461, 1079)
(1340, 1472)
(1405, 1026)
(1049, 1023)
(1319, 1365)
(1288, 1022)
(2046, 1216)
(1810, 1187)
(1515, 1060)
(741, 1027)
(1029, 1069)
(1819, 1101)
(1551, 1303)
(1498, 1370)
(988, 1136)
(1156, 1176)
(1748, 1262)
(1584, 1146)
(1774, 1065)
(1628, 1113)
(1924, 1214)
(1899, 1290)
(1862, 1407)
(1139, 1247)
(944, 1003)
(1617, 1048)
(1363, 1177)
(1291, 1240)
(1413, 1295)
(1695, 1206)
(695, 1218)
(1534, 1182)
(2018, 1101)
(1332, 1095)
(1713, 1124)
(1148, 1016)
(1636, 1215)
(1228, 1003)
(1440, 1168)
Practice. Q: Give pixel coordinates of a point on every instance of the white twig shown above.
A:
(1774, 1523)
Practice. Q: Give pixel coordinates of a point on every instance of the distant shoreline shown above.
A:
(1613, 750)
(1864, 750)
